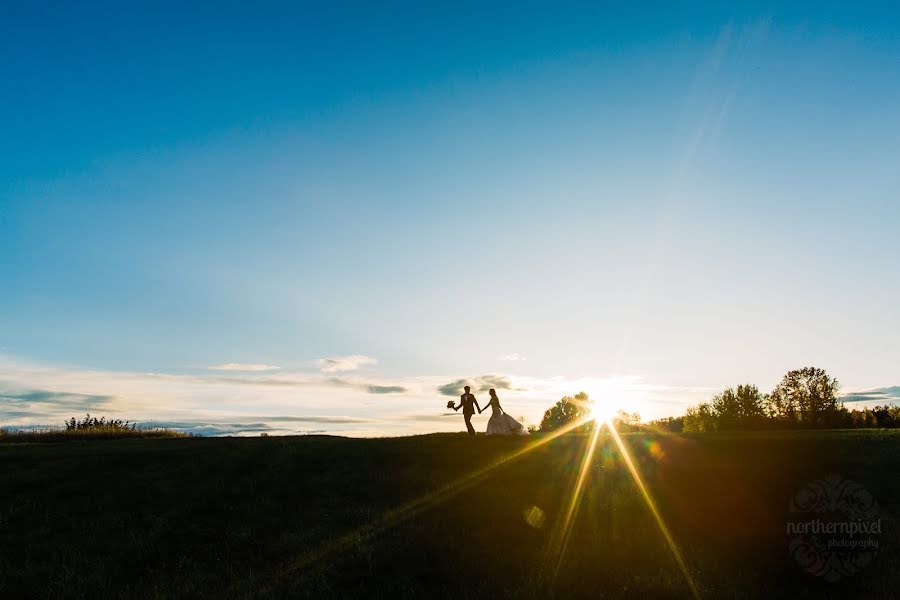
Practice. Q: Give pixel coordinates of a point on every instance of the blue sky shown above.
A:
(650, 202)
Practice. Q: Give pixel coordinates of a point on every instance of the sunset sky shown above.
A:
(326, 217)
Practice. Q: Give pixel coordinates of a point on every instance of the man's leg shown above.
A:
(468, 417)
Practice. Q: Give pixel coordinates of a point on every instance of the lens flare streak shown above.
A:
(395, 517)
(559, 546)
(670, 541)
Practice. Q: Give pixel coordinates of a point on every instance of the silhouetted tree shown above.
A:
(886, 416)
(625, 421)
(741, 408)
(863, 418)
(877, 416)
(567, 410)
(807, 398)
(726, 409)
(672, 424)
(804, 398)
(700, 418)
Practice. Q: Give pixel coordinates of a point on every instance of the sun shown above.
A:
(602, 412)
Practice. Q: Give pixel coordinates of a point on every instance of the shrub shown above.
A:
(89, 428)
(90, 423)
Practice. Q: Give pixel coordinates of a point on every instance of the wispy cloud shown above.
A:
(299, 425)
(38, 404)
(482, 383)
(885, 395)
(266, 381)
(369, 388)
(514, 356)
(340, 364)
(243, 367)
(385, 389)
(327, 419)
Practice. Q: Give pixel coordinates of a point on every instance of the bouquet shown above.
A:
(450, 404)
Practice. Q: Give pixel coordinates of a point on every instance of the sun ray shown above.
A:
(558, 547)
(670, 541)
(406, 511)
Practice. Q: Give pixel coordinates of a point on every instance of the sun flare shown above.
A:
(602, 412)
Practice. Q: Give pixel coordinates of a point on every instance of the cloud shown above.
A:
(369, 388)
(37, 404)
(234, 402)
(513, 357)
(243, 367)
(362, 386)
(208, 429)
(385, 389)
(264, 381)
(482, 383)
(309, 381)
(35, 394)
(66, 400)
(262, 424)
(885, 394)
(337, 419)
(339, 364)
(18, 414)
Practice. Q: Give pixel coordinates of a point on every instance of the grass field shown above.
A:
(405, 517)
(67, 435)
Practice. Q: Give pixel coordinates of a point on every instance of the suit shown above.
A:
(468, 404)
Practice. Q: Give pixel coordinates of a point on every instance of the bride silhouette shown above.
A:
(501, 423)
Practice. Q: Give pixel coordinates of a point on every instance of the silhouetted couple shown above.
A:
(500, 423)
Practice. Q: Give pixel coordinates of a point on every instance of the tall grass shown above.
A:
(89, 428)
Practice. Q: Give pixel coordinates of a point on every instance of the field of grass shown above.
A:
(405, 517)
(11, 436)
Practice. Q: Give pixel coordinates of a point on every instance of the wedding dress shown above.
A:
(501, 423)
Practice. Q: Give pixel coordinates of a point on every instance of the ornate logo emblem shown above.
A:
(835, 527)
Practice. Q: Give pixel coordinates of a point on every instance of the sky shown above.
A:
(239, 218)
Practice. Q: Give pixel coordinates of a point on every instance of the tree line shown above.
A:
(578, 408)
(804, 399)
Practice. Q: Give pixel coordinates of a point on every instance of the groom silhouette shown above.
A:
(468, 403)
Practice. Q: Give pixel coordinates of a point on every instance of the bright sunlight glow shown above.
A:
(602, 411)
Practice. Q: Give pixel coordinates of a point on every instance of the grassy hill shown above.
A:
(406, 517)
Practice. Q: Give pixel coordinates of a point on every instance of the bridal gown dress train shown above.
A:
(501, 423)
